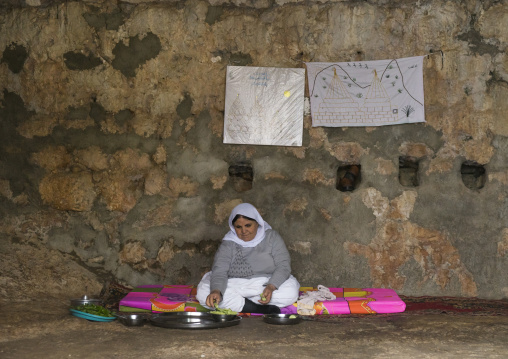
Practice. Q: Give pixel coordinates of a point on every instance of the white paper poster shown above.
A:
(366, 93)
(264, 106)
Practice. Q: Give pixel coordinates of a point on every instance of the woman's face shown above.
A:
(246, 229)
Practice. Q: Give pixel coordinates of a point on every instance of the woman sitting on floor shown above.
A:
(251, 260)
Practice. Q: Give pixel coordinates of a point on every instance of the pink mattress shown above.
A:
(180, 298)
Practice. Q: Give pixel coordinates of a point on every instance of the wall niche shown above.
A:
(408, 171)
(348, 178)
(473, 175)
(242, 175)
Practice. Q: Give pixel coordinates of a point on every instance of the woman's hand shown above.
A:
(267, 294)
(213, 297)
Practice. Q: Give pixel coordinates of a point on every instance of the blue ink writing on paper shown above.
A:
(259, 79)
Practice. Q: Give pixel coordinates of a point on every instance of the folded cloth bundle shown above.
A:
(305, 303)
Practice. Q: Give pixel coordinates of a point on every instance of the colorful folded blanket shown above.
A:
(180, 298)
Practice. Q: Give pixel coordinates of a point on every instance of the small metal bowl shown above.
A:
(223, 317)
(282, 319)
(85, 300)
(132, 320)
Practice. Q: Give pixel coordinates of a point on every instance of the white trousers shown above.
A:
(240, 288)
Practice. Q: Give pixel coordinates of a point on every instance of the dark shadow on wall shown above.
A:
(129, 57)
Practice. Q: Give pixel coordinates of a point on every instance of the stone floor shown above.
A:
(48, 331)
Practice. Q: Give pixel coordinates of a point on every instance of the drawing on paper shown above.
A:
(264, 106)
(370, 93)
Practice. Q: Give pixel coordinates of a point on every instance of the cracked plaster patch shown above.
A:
(417, 150)
(505, 291)
(146, 125)
(111, 227)
(502, 246)
(325, 213)
(480, 151)
(27, 268)
(182, 142)
(68, 191)
(218, 182)
(184, 186)
(385, 167)
(318, 137)
(155, 181)
(348, 152)
(92, 158)
(160, 155)
(33, 227)
(298, 205)
(443, 162)
(298, 152)
(274, 175)
(397, 241)
(222, 210)
(315, 176)
(501, 177)
(216, 124)
(39, 126)
(160, 216)
(5, 189)
(133, 253)
(118, 192)
(166, 252)
(301, 247)
(52, 158)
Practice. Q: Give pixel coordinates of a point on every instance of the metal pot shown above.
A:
(282, 319)
(132, 320)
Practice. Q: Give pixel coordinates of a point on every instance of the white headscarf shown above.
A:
(247, 210)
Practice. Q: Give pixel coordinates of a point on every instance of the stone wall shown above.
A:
(112, 165)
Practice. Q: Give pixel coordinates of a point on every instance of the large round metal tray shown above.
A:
(190, 320)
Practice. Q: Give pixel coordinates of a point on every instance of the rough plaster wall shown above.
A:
(113, 167)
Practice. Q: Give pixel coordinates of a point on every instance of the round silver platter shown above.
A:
(191, 320)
